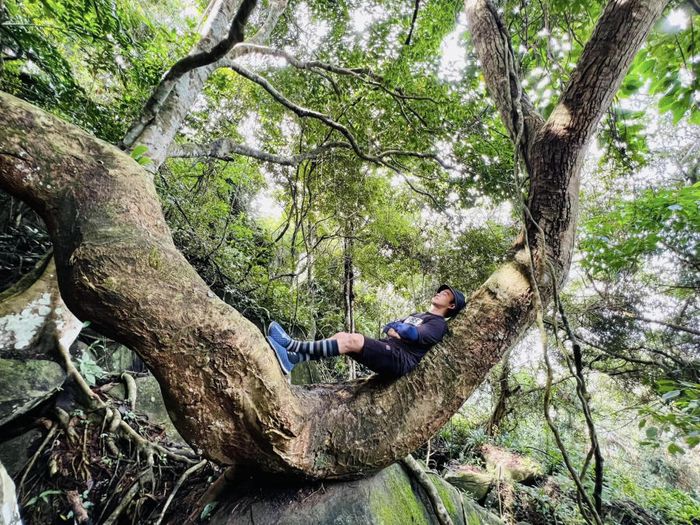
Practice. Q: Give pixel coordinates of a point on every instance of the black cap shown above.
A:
(460, 302)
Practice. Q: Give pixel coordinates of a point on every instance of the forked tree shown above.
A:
(117, 267)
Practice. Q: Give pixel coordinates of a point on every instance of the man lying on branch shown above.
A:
(395, 355)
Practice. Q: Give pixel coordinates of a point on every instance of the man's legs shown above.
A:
(349, 343)
(339, 343)
(378, 356)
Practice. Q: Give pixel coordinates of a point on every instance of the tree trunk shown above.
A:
(157, 132)
(118, 267)
(500, 410)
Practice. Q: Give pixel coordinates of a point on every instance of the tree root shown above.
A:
(130, 495)
(440, 511)
(179, 483)
(130, 390)
(212, 493)
(143, 446)
(76, 505)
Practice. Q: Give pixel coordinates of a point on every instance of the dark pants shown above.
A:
(385, 358)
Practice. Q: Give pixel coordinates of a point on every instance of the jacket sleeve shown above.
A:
(407, 332)
(393, 324)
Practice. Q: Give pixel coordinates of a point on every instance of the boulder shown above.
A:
(388, 497)
(15, 452)
(25, 384)
(507, 465)
(33, 316)
(9, 510)
(472, 480)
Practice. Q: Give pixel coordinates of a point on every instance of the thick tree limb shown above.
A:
(562, 140)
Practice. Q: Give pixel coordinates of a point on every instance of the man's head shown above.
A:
(448, 300)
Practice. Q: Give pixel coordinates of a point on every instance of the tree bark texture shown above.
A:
(118, 267)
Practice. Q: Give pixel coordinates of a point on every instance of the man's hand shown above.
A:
(393, 333)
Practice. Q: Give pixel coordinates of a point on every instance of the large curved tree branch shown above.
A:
(118, 267)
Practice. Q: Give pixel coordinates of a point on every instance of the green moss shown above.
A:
(445, 495)
(154, 260)
(110, 283)
(397, 504)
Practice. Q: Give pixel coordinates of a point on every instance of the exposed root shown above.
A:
(440, 511)
(130, 388)
(179, 483)
(128, 497)
(143, 446)
(212, 493)
(76, 505)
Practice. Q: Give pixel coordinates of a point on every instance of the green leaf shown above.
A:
(694, 116)
(139, 151)
(208, 509)
(678, 109)
(652, 432)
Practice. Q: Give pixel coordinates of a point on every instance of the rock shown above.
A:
(25, 384)
(33, 318)
(389, 497)
(510, 466)
(149, 402)
(9, 510)
(470, 479)
(15, 453)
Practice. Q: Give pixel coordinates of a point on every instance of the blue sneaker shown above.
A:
(281, 355)
(276, 332)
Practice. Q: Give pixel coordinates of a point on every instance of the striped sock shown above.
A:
(295, 357)
(318, 349)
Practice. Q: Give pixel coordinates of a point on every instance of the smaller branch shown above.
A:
(413, 23)
(584, 398)
(414, 468)
(539, 310)
(674, 326)
(226, 149)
